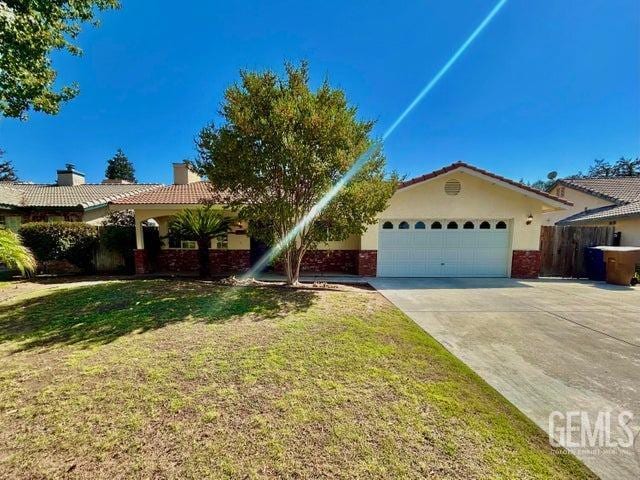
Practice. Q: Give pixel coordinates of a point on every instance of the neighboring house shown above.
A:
(69, 199)
(601, 202)
(459, 221)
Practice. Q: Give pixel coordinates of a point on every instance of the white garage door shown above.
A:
(443, 248)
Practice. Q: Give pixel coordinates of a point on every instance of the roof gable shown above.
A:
(620, 190)
(492, 177)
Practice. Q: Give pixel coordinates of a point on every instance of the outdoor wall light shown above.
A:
(529, 219)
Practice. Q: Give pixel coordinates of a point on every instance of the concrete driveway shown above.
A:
(546, 345)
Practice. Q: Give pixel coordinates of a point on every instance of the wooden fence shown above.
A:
(563, 249)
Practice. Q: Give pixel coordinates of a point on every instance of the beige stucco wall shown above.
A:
(630, 229)
(236, 242)
(351, 243)
(163, 214)
(95, 216)
(580, 200)
(478, 199)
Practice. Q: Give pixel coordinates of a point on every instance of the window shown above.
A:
(420, 226)
(485, 226)
(452, 226)
(55, 218)
(13, 223)
(468, 226)
(403, 226)
(189, 244)
(501, 225)
(222, 242)
(436, 226)
(387, 226)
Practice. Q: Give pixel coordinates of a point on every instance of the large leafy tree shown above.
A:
(120, 168)
(281, 147)
(7, 171)
(29, 32)
(202, 225)
(15, 255)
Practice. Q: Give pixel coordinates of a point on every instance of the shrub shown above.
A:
(14, 254)
(72, 241)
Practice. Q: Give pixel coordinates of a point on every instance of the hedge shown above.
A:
(75, 242)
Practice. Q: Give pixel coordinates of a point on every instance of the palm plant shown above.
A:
(15, 255)
(202, 225)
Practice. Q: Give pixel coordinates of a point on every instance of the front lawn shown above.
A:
(191, 380)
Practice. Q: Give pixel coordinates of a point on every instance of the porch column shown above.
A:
(140, 254)
(139, 235)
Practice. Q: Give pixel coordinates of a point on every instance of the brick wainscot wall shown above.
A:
(186, 261)
(357, 262)
(525, 264)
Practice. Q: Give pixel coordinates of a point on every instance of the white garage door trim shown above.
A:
(409, 250)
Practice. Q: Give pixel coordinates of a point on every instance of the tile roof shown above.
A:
(623, 191)
(616, 189)
(189, 194)
(9, 195)
(78, 196)
(457, 165)
(604, 213)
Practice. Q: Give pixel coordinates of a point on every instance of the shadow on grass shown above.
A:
(100, 314)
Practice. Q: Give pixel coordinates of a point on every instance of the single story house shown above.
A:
(69, 199)
(600, 202)
(459, 221)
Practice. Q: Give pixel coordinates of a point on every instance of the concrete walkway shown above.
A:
(546, 345)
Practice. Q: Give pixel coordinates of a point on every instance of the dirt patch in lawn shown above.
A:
(172, 379)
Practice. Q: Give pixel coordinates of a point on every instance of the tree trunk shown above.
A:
(292, 263)
(203, 258)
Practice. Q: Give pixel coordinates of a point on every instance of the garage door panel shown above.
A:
(443, 253)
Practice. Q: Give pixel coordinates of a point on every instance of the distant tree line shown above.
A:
(624, 167)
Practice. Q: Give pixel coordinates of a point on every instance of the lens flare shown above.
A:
(364, 158)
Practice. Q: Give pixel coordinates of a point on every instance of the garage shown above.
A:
(444, 248)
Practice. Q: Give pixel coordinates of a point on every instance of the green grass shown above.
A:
(191, 380)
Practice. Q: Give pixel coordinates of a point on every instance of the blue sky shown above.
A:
(549, 85)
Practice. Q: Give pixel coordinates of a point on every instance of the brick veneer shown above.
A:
(326, 261)
(221, 261)
(335, 261)
(140, 261)
(367, 263)
(525, 264)
(232, 261)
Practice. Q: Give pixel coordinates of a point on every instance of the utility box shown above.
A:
(621, 264)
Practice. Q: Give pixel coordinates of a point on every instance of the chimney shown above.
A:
(183, 175)
(70, 176)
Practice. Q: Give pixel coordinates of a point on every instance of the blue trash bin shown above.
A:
(594, 264)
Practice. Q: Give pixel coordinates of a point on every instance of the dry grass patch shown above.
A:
(190, 380)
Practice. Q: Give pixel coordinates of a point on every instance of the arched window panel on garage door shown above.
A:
(387, 226)
(420, 226)
(403, 225)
